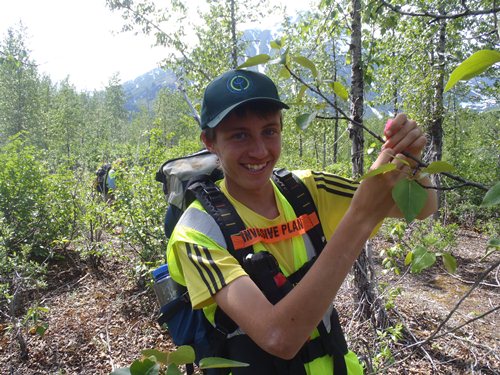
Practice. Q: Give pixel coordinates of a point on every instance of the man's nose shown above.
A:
(258, 148)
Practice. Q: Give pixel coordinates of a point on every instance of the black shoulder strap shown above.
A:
(218, 206)
(300, 198)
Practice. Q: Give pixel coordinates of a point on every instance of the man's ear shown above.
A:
(207, 141)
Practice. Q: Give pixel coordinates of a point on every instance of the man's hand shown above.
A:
(403, 135)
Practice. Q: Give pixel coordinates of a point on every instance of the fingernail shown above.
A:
(387, 125)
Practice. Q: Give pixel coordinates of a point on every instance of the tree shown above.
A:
(19, 104)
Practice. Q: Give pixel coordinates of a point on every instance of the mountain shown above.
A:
(143, 90)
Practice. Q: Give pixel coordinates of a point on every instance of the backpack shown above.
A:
(193, 177)
(175, 174)
(100, 180)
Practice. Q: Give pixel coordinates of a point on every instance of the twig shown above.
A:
(420, 163)
(465, 13)
(467, 322)
(441, 325)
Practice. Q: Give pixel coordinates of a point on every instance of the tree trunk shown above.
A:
(356, 132)
(436, 123)
(335, 102)
(369, 306)
(234, 49)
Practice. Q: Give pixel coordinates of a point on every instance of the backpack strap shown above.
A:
(218, 206)
(300, 199)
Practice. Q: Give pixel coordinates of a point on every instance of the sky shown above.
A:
(80, 39)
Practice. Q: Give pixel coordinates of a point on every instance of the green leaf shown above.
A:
(304, 120)
(217, 362)
(494, 243)
(339, 90)
(144, 367)
(284, 59)
(160, 356)
(306, 63)
(408, 258)
(371, 149)
(255, 60)
(492, 196)
(473, 66)
(382, 169)
(182, 355)
(422, 259)
(173, 370)
(284, 73)
(449, 262)
(276, 44)
(438, 167)
(410, 198)
(41, 329)
(301, 93)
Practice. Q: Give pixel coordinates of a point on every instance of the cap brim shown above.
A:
(217, 119)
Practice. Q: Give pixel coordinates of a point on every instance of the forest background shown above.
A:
(56, 232)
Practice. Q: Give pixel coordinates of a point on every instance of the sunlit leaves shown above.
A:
(145, 366)
(382, 169)
(449, 262)
(284, 73)
(217, 362)
(304, 120)
(153, 359)
(255, 60)
(276, 44)
(473, 66)
(306, 63)
(421, 259)
(492, 197)
(438, 167)
(339, 90)
(410, 198)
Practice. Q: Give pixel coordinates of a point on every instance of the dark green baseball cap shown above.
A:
(232, 89)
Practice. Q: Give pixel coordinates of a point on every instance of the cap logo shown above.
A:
(238, 84)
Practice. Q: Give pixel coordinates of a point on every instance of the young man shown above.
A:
(241, 123)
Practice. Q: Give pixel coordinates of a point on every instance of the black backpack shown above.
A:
(101, 176)
(182, 183)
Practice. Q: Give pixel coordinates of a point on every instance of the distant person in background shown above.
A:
(105, 182)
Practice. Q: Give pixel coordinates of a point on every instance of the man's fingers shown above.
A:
(386, 156)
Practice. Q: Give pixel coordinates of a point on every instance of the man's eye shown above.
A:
(238, 136)
(271, 131)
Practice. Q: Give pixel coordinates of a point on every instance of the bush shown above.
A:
(37, 206)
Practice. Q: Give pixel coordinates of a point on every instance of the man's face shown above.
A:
(248, 148)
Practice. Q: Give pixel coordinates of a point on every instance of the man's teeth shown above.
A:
(255, 167)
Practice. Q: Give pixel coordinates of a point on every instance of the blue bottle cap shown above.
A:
(160, 272)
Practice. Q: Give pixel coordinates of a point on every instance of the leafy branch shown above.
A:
(437, 16)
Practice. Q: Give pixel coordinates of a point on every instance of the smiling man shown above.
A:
(298, 332)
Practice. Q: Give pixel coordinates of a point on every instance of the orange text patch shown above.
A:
(297, 227)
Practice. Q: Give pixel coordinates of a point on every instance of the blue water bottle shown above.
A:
(166, 289)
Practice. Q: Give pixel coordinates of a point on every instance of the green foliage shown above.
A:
(36, 205)
(155, 360)
(410, 198)
(474, 65)
(387, 338)
(492, 196)
(429, 243)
